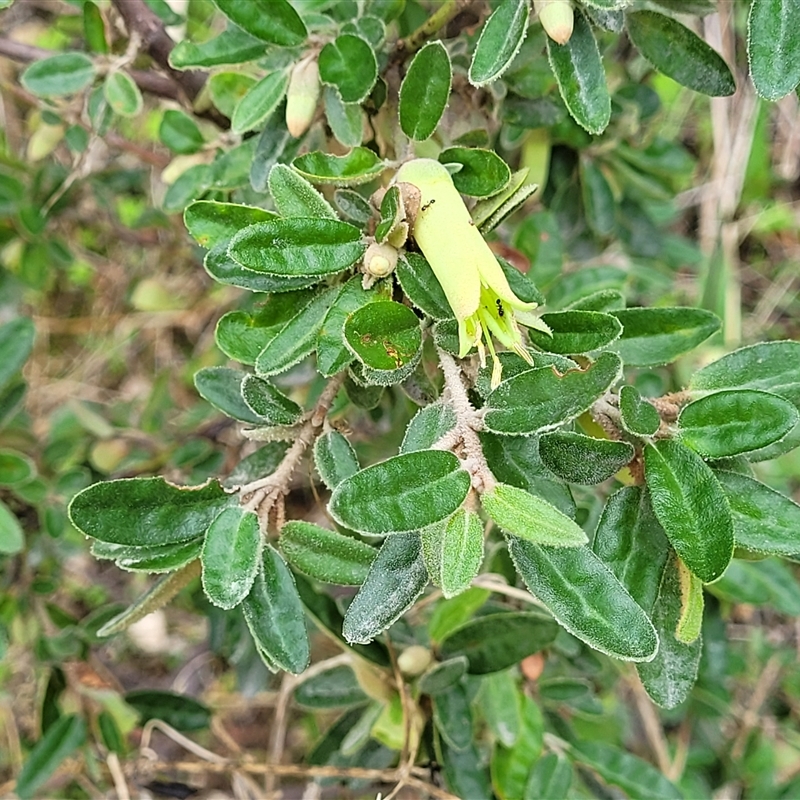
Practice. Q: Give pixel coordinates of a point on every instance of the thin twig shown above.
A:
(766, 681)
(117, 775)
(652, 724)
(494, 583)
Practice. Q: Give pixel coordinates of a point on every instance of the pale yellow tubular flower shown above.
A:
(473, 281)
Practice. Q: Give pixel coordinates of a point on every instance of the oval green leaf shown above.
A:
(260, 102)
(230, 557)
(326, 555)
(585, 597)
(637, 415)
(334, 458)
(425, 91)
(500, 40)
(178, 710)
(420, 285)
(764, 520)
(268, 402)
(12, 537)
(404, 493)
(146, 511)
(773, 47)
(655, 336)
(495, 642)
(54, 76)
(576, 332)
(274, 615)
(678, 52)
(395, 580)
(232, 46)
(581, 79)
(385, 336)
(453, 551)
(16, 343)
(734, 421)
(360, 165)
(122, 94)
(483, 173)
(583, 459)
(211, 222)
(542, 399)
(298, 247)
(333, 688)
(273, 21)
(349, 64)
(529, 517)
(691, 507)
(222, 387)
(294, 196)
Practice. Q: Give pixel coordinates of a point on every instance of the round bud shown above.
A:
(557, 18)
(302, 96)
(380, 260)
(414, 660)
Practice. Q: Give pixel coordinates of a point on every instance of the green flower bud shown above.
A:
(302, 96)
(557, 18)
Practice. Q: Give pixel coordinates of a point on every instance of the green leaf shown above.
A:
(346, 120)
(258, 464)
(62, 74)
(272, 21)
(425, 91)
(332, 353)
(294, 196)
(581, 79)
(522, 514)
(768, 366)
(230, 557)
(180, 133)
(211, 222)
(551, 776)
(94, 28)
(453, 717)
(404, 493)
(226, 89)
(499, 702)
(495, 642)
(541, 399)
(325, 555)
(268, 402)
(691, 507)
(421, 286)
(500, 40)
(576, 332)
(12, 537)
(189, 185)
(598, 199)
(453, 551)
(450, 614)
(395, 580)
(178, 710)
(15, 467)
(298, 337)
(678, 52)
(442, 675)
(222, 387)
(654, 336)
(581, 592)
(63, 737)
(242, 335)
(465, 773)
(360, 165)
(274, 615)
(634, 776)
(637, 415)
(353, 206)
(736, 421)
(670, 676)
(222, 268)
(122, 94)
(260, 102)
(483, 173)
(632, 544)
(427, 426)
(16, 343)
(298, 247)
(764, 521)
(334, 458)
(583, 459)
(333, 688)
(161, 558)
(349, 64)
(384, 336)
(773, 47)
(511, 766)
(232, 46)
(146, 511)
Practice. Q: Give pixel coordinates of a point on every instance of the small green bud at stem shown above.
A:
(557, 18)
(302, 96)
(380, 260)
